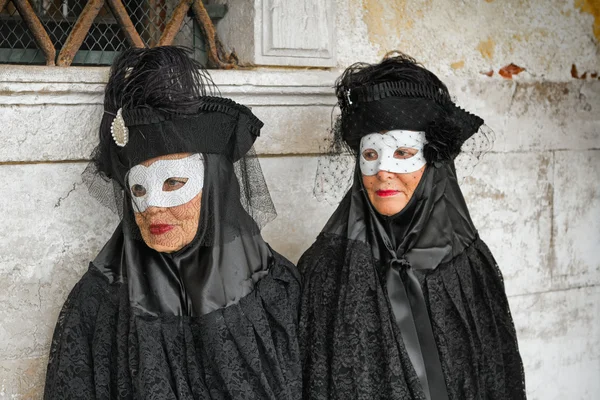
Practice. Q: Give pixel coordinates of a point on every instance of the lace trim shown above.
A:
(401, 89)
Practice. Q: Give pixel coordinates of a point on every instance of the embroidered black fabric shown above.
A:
(412, 305)
(102, 350)
(215, 319)
(351, 343)
(352, 348)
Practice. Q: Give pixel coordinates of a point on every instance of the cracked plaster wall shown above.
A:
(535, 198)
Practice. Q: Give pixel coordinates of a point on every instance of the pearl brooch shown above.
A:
(119, 131)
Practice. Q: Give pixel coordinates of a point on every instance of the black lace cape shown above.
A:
(351, 343)
(103, 348)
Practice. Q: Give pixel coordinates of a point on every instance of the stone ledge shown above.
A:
(81, 85)
(70, 132)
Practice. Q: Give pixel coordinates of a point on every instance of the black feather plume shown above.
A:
(163, 78)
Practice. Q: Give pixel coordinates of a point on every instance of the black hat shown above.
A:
(398, 93)
(160, 101)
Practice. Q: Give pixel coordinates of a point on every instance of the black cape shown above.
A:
(411, 306)
(102, 348)
(217, 319)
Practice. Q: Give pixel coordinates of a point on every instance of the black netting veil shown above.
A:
(396, 94)
(185, 300)
(170, 105)
(401, 299)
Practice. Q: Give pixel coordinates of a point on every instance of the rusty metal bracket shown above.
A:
(3, 4)
(37, 29)
(84, 22)
(216, 53)
(79, 31)
(120, 13)
(175, 22)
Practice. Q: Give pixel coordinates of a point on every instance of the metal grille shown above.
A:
(17, 44)
(105, 38)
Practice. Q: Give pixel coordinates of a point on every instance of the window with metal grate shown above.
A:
(93, 32)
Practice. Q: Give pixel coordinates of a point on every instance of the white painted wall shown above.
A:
(535, 198)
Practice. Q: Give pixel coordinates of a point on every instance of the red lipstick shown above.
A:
(387, 193)
(159, 229)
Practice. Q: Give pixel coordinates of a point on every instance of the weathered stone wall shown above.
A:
(535, 198)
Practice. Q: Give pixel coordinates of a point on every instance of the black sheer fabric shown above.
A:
(358, 341)
(214, 321)
(205, 322)
(104, 349)
(213, 318)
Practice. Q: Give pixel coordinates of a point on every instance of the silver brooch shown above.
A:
(119, 131)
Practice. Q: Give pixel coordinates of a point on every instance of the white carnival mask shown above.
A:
(147, 184)
(395, 151)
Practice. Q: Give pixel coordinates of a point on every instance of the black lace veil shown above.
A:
(406, 280)
(372, 101)
(214, 316)
(159, 102)
(170, 105)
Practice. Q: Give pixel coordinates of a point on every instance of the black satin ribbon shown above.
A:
(410, 310)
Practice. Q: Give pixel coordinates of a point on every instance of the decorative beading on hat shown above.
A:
(119, 131)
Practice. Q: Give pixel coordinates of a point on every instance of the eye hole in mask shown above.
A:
(402, 153)
(169, 185)
(138, 190)
(173, 184)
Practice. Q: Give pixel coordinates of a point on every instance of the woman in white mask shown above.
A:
(401, 298)
(186, 300)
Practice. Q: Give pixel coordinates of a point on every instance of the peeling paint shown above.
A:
(591, 7)
(546, 36)
(575, 73)
(458, 65)
(509, 70)
(486, 48)
(387, 21)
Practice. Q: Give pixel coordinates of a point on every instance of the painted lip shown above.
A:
(159, 229)
(387, 193)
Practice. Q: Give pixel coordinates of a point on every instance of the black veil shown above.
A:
(408, 306)
(168, 105)
(215, 319)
